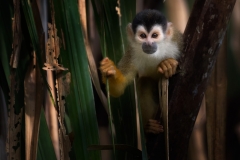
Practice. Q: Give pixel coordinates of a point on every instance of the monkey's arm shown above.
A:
(168, 66)
(118, 78)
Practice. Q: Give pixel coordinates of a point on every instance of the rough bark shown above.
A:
(203, 36)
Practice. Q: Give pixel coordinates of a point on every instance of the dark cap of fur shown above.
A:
(148, 18)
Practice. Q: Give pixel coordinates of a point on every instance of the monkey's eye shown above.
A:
(154, 35)
(143, 35)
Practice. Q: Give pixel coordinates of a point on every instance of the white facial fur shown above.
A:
(157, 29)
(147, 63)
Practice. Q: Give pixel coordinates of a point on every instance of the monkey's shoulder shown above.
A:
(178, 39)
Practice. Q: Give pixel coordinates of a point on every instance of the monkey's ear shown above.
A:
(169, 31)
(130, 33)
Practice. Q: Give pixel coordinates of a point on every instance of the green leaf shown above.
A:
(80, 102)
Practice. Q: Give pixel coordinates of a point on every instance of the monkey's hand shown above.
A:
(168, 67)
(108, 69)
(117, 81)
(153, 126)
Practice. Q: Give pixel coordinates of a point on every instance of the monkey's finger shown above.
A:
(174, 65)
(153, 121)
(165, 69)
(105, 70)
(154, 125)
(105, 60)
(107, 66)
(106, 63)
(160, 70)
(161, 67)
(153, 130)
(110, 73)
(169, 68)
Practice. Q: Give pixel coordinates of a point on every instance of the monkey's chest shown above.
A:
(148, 69)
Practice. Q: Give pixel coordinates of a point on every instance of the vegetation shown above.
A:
(49, 77)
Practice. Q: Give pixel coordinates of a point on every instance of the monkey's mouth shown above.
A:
(149, 49)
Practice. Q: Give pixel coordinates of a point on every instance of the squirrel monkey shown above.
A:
(154, 47)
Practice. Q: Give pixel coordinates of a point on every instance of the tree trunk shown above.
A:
(203, 36)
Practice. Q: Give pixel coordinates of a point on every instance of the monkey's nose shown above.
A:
(149, 48)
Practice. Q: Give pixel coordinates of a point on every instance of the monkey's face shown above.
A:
(149, 40)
